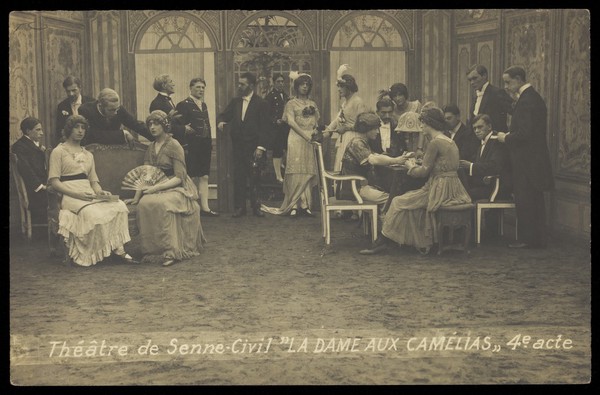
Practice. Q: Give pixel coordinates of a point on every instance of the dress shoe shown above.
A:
(127, 258)
(239, 212)
(381, 244)
(518, 245)
(258, 213)
(209, 213)
(306, 212)
(375, 250)
(168, 262)
(294, 213)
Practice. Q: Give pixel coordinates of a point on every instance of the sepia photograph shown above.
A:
(299, 197)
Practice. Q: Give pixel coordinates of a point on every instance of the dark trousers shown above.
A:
(280, 139)
(38, 206)
(246, 174)
(531, 213)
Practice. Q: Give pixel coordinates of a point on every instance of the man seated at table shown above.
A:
(359, 159)
(491, 159)
(388, 141)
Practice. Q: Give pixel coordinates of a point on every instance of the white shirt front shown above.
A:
(169, 97)
(454, 131)
(245, 102)
(479, 98)
(522, 89)
(75, 105)
(197, 101)
(483, 143)
(385, 133)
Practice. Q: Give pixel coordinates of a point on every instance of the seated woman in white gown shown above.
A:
(92, 227)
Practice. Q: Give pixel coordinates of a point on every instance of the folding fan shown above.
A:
(142, 176)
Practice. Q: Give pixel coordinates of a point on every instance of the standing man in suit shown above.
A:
(388, 141)
(31, 163)
(107, 117)
(68, 107)
(530, 158)
(248, 117)
(165, 87)
(196, 139)
(490, 100)
(463, 136)
(279, 129)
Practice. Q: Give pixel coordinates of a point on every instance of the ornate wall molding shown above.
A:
(476, 16)
(67, 16)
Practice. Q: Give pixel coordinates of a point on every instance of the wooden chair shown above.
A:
(493, 204)
(328, 205)
(25, 214)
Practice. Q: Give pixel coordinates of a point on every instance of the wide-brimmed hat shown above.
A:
(434, 117)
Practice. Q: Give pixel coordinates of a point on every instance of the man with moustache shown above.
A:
(530, 158)
(489, 99)
(388, 140)
(248, 118)
(69, 106)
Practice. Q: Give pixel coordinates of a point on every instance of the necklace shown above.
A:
(77, 156)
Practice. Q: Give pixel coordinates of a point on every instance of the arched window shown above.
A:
(372, 44)
(367, 31)
(177, 44)
(270, 44)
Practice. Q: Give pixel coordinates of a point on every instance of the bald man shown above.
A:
(106, 117)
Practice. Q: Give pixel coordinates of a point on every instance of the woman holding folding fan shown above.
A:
(168, 213)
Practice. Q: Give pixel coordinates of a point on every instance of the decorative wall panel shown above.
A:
(464, 88)
(22, 60)
(63, 56)
(528, 46)
(105, 37)
(436, 57)
(574, 137)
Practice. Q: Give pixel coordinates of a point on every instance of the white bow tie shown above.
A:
(479, 93)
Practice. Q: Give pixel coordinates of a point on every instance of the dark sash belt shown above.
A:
(79, 176)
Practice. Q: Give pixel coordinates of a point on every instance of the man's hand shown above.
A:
(464, 164)
(501, 136)
(258, 153)
(220, 125)
(189, 129)
(128, 136)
